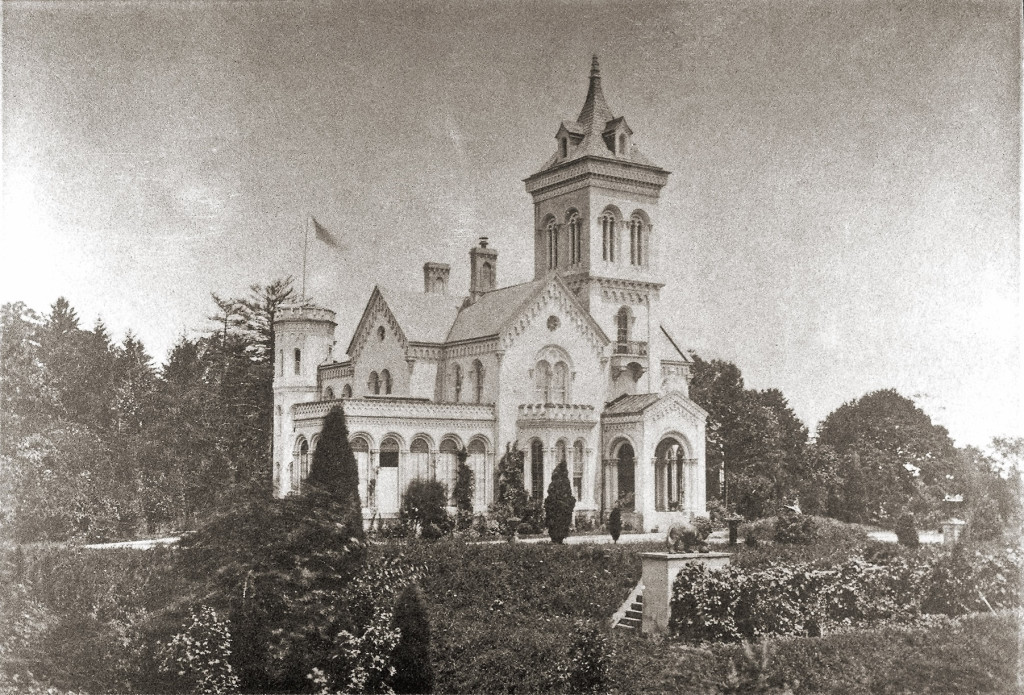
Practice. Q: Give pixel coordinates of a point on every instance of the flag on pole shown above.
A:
(320, 232)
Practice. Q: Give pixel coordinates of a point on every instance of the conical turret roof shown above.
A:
(595, 112)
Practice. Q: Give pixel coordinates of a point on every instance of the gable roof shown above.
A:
(630, 404)
(492, 311)
(424, 317)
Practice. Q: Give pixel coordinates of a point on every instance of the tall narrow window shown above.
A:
(552, 235)
(560, 383)
(298, 361)
(542, 381)
(563, 147)
(608, 237)
(575, 240)
(477, 376)
(636, 241)
(385, 381)
(577, 470)
(303, 461)
(373, 384)
(536, 469)
(622, 330)
(457, 382)
(280, 368)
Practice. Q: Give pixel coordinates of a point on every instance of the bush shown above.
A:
(512, 500)
(587, 663)
(463, 491)
(411, 658)
(559, 503)
(201, 654)
(795, 529)
(615, 524)
(424, 505)
(906, 531)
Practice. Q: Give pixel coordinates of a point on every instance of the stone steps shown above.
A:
(634, 616)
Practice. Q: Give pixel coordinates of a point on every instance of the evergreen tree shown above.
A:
(615, 524)
(411, 658)
(463, 491)
(334, 470)
(559, 503)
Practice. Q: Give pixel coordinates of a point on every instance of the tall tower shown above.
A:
(596, 223)
(303, 339)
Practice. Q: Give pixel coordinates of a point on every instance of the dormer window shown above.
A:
(563, 148)
(622, 143)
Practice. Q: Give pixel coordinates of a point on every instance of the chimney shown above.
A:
(435, 278)
(483, 269)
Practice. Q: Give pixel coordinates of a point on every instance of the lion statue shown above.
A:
(691, 534)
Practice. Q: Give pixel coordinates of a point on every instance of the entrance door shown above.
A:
(626, 477)
(387, 478)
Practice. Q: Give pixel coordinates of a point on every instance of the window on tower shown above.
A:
(298, 361)
(552, 236)
(575, 239)
(608, 237)
(637, 241)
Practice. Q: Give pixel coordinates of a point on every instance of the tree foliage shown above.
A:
(559, 504)
(414, 672)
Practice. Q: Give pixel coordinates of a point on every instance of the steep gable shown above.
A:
(554, 289)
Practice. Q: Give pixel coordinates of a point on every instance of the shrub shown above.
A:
(906, 531)
(559, 503)
(411, 658)
(362, 662)
(795, 529)
(587, 664)
(615, 524)
(512, 500)
(424, 505)
(201, 654)
(463, 491)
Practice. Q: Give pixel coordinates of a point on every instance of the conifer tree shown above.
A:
(615, 524)
(334, 470)
(559, 503)
(411, 658)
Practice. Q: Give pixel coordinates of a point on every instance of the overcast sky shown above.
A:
(842, 216)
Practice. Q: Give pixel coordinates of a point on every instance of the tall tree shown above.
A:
(559, 503)
(411, 659)
(334, 469)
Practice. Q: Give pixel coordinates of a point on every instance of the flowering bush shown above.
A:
(201, 653)
(586, 668)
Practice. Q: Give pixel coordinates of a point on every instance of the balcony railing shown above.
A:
(631, 347)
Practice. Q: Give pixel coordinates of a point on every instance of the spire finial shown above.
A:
(595, 67)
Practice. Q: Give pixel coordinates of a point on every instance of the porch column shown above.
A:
(372, 465)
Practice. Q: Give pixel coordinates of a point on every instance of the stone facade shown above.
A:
(574, 365)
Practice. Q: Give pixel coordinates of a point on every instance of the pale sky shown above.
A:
(842, 214)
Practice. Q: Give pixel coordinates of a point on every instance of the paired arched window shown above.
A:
(346, 391)
(298, 361)
(575, 239)
(608, 237)
(385, 381)
(551, 382)
(637, 241)
(477, 377)
(373, 384)
(551, 230)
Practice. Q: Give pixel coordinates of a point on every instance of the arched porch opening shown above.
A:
(669, 475)
(625, 477)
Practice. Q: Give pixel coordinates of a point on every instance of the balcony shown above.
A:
(631, 347)
(557, 412)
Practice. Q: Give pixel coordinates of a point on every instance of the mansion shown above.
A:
(574, 365)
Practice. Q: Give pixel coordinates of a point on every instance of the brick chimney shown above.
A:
(483, 269)
(435, 278)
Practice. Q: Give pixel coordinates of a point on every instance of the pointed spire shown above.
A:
(595, 112)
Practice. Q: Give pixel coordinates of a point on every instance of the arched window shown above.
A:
(447, 462)
(301, 468)
(576, 473)
(560, 452)
(542, 381)
(536, 469)
(385, 381)
(622, 321)
(361, 451)
(298, 361)
(389, 453)
(373, 385)
(477, 375)
(608, 237)
(552, 235)
(477, 463)
(669, 475)
(457, 383)
(328, 394)
(560, 383)
(637, 243)
(346, 391)
(575, 239)
(419, 458)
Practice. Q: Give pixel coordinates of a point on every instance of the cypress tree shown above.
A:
(559, 503)
(615, 524)
(411, 658)
(334, 470)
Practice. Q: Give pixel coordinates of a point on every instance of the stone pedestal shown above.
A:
(659, 573)
(951, 530)
(734, 528)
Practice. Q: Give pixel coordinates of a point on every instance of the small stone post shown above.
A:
(659, 574)
(734, 528)
(951, 530)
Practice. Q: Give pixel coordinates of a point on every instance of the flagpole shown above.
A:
(305, 251)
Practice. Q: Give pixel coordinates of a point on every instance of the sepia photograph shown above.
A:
(465, 346)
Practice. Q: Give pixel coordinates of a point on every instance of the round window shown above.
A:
(553, 323)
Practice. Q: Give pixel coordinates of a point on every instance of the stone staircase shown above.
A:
(630, 615)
